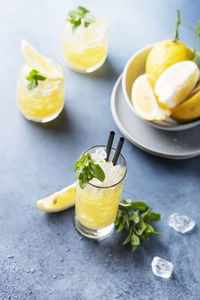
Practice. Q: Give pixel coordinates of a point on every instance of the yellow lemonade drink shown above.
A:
(97, 204)
(85, 48)
(40, 88)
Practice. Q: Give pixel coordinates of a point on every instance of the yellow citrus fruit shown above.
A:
(164, 54)
(40, 63)
(144, 100)
(175, 83)
(59, 201)
(190, 109)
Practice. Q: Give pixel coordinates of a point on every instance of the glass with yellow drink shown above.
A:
(84, 41)
(97, 203)
(40, 88)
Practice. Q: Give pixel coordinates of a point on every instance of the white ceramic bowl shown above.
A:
(136, 67)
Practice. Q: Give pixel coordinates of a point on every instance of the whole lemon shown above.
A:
(164, 54)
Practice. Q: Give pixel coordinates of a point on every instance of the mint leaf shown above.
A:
(126, 204)
(30, 86)
(34, 76)
(127, 240)
(121, 225)
(86, 169)
(141, 226)
(152, 217)
(149, 229)
(98, 172)
(89, 18)
(139, 206)
(82, 10)
(79, 16)
(135, 241)
(134, 217)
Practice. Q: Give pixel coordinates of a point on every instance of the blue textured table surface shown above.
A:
(41, 255)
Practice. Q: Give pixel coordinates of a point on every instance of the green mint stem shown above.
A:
(188, 26)
(195, 42)
(178, 22)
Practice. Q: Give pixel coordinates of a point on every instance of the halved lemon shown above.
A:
(175, 83)
(144, 100)
(59, 201)
(39, 62)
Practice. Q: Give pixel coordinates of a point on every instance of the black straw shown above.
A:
(118, 150)
(109, 144)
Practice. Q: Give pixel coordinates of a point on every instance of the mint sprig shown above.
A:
(134, 217)
(34, 76)
(86, 169)
(80, 15)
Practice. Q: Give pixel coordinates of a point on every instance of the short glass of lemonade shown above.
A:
(43, 103)
(85, 48)
(97, 204)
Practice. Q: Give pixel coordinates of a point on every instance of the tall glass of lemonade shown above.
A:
(97, 204)
(40, 88)
(85, 41)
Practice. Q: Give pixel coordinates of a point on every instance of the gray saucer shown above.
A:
(170, 144)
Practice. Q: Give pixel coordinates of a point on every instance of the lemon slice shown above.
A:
(59, 201)
(175, 83)
(144, 99)
(39, 62)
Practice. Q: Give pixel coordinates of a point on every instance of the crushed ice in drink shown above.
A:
(181, 223)
(113, 174)
(161, 267)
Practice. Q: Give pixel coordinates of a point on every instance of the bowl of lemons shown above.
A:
(161, 85)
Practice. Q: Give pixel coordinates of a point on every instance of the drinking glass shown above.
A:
(45, 102)
(97, 206)
(85, 49)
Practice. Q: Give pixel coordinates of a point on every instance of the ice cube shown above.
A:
(161, 267)
(181, 223)
(99, 154)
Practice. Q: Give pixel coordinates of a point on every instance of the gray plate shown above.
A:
(175, 145)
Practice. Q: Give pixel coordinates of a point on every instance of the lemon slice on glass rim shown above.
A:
(59, 201)
(39, 62)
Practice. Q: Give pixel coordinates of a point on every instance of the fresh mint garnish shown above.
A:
(34, 76)
(80, 15)
(86, 169)
(133, 217)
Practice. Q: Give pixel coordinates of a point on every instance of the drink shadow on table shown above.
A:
(63, 124)
(106, 72)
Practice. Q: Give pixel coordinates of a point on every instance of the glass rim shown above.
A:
(113, 185)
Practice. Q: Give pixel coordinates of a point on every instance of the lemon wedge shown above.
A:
(189, 110)
(40, 63)
(59, 201)
(144, 100)
(175, 83)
